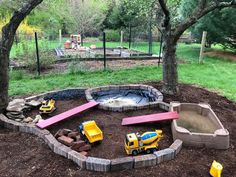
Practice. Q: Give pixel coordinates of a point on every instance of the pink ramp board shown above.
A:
(66, 115)
(150, 118)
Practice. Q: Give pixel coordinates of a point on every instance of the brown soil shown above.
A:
(110, 124)
(222, 54)
(26, 155)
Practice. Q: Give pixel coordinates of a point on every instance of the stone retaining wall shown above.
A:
(92, 163)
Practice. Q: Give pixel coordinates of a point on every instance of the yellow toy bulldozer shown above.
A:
(47, 107)
(147, 142)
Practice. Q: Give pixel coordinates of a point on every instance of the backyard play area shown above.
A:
(118, 88)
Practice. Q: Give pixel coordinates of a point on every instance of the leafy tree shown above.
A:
(220, 25)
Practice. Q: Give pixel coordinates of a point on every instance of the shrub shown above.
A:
(77, 67)
(46, 59)
(17, 75)
(111, 36)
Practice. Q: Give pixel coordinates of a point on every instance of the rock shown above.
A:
(78, 138)
(37, 118)
(77, 145)
(84, 153)
(28, 119)
(15, 116)
(87, 147)
(16, 105)
(73, 135)
(33, 103)
(66, 131)
(58, 134)
(65, 140)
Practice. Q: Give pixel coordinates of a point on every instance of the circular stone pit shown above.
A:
(124, 97)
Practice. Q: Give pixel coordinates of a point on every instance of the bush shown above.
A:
(47, 58)
(77, 67)
(111, 36)
(17, 75)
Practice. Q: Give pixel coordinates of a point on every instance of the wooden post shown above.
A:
(37, 53)
(204, 35)
(121, 38)
(60, 37)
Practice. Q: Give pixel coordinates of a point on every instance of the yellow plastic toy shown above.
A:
(92, 132)
(47, 107)
(148, 142)
(216, 169)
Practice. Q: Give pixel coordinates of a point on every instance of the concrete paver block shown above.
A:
(122, 163)
(145, 160)
(176, 146)
(164, 155)
(98, 164)
(78, 158)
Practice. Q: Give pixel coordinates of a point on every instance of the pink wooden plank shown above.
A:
(66, 115)
(150, 118)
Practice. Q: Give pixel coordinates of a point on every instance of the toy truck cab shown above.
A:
(91, 131)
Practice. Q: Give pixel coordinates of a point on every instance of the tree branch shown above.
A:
(202, 9)
(166, 12)
(8, 31)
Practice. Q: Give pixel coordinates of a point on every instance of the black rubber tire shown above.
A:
(149, 151)
(134, 152)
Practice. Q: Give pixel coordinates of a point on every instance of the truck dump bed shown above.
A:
(92, 131)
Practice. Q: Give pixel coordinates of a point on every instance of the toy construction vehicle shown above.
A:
(148, 142)
(216, 169)
(91, 131)
(47, 107)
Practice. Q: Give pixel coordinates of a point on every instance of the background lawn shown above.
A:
(215, 74)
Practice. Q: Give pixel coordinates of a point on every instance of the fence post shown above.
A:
(160, 51)
(121, 38)
(204, 34)
(130, 31)
(104, 50)
(60, 37)
(37, 53)
(150, 38)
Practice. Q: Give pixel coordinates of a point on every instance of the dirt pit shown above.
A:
(27, 155)
(109, 122)
(195, 122)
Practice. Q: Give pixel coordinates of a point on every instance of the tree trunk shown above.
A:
(4, 62)
(170, 75)
(8, 32)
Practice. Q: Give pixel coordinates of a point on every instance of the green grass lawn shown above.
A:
(215, 74)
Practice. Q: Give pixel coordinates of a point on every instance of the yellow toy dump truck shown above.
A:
(47, 107)
(147, 142)
(91, 131)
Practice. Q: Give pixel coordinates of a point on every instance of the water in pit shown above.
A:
(117, 98)
(195, 122)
